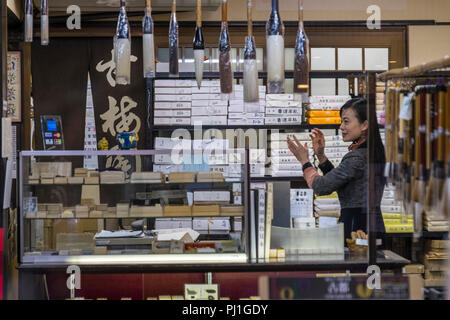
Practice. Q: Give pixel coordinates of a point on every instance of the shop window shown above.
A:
(289, 56)
(289, 86)
(376, 59)
(350, 59)
(323, 87)
(343, 86)
(323, 59)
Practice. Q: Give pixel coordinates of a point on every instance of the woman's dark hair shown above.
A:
(359, 106)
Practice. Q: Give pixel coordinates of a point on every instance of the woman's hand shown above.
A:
(318, 142)
(299, 151)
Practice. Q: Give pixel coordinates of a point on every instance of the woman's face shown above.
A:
(351, 128)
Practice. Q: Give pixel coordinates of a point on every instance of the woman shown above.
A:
(349, 179)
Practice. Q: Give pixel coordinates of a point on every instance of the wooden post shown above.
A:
(371, 196)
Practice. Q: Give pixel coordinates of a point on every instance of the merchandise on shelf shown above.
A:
(394, 217)
(283, 109)
(436, 263)
(325, 109)
(327, 210)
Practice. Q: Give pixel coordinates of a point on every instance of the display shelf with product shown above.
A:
(102, 216)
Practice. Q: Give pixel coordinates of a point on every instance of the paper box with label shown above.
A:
(171, 143)
(165, 83)
(214, 224)
(181, 121)
(212, 196)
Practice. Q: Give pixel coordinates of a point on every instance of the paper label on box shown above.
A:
(162, 121)
(163, 113)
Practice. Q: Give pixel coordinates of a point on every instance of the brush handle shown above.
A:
(174, 6)
(300, 11)
(249, 18)
(428, 131)
(447, 126)
(224, 10)
(199, 13)
(441, 126)
(417, 105)
(148, 3)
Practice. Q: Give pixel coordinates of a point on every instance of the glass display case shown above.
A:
(134, 208)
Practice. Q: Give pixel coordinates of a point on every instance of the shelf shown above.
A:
(269, 179)
(264, 127)
(425, 234)
(261, 75)
(135, 264)
(109, 218)
(167, 184)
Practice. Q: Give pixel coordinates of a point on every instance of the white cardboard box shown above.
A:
(181, 121)
(170, 143)
(181, 105)
(181, 113)
(211, 120)
(208, 196)
(163, 113)
(283, 104)
(216, 224)
(237, 122)
(255, 122)
(283, 120)
(200, 96)
(162, 121)
(210, 110)
(280, 97)
(237, 109)
(283, 111)
(216, 102)
(165, 83)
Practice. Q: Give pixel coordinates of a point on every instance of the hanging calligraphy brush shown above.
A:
(428, 146)
(122, 47)
(301, 66)
(388, 132)
(444, 206)
(419, 142)
(148, 43)
(251, 92)
(44, 23)
(28, 31)
(226, 73)
(399, 173)
(199, 46)
(275, 51)
(438, 175)
(173, 42)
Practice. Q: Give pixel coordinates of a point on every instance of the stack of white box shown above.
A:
(284, 163)
(381, 114)
(213, 152)
(282, 109)
(173, 223)
(208, 107)
(167, 163)
(246, 113)
(173, 102)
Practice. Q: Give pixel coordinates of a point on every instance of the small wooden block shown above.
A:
(91, 180)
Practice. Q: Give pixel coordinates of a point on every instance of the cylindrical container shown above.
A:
(123, 63)
(275, 51)
(44, 23)
(148, 44)
(28, 31)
